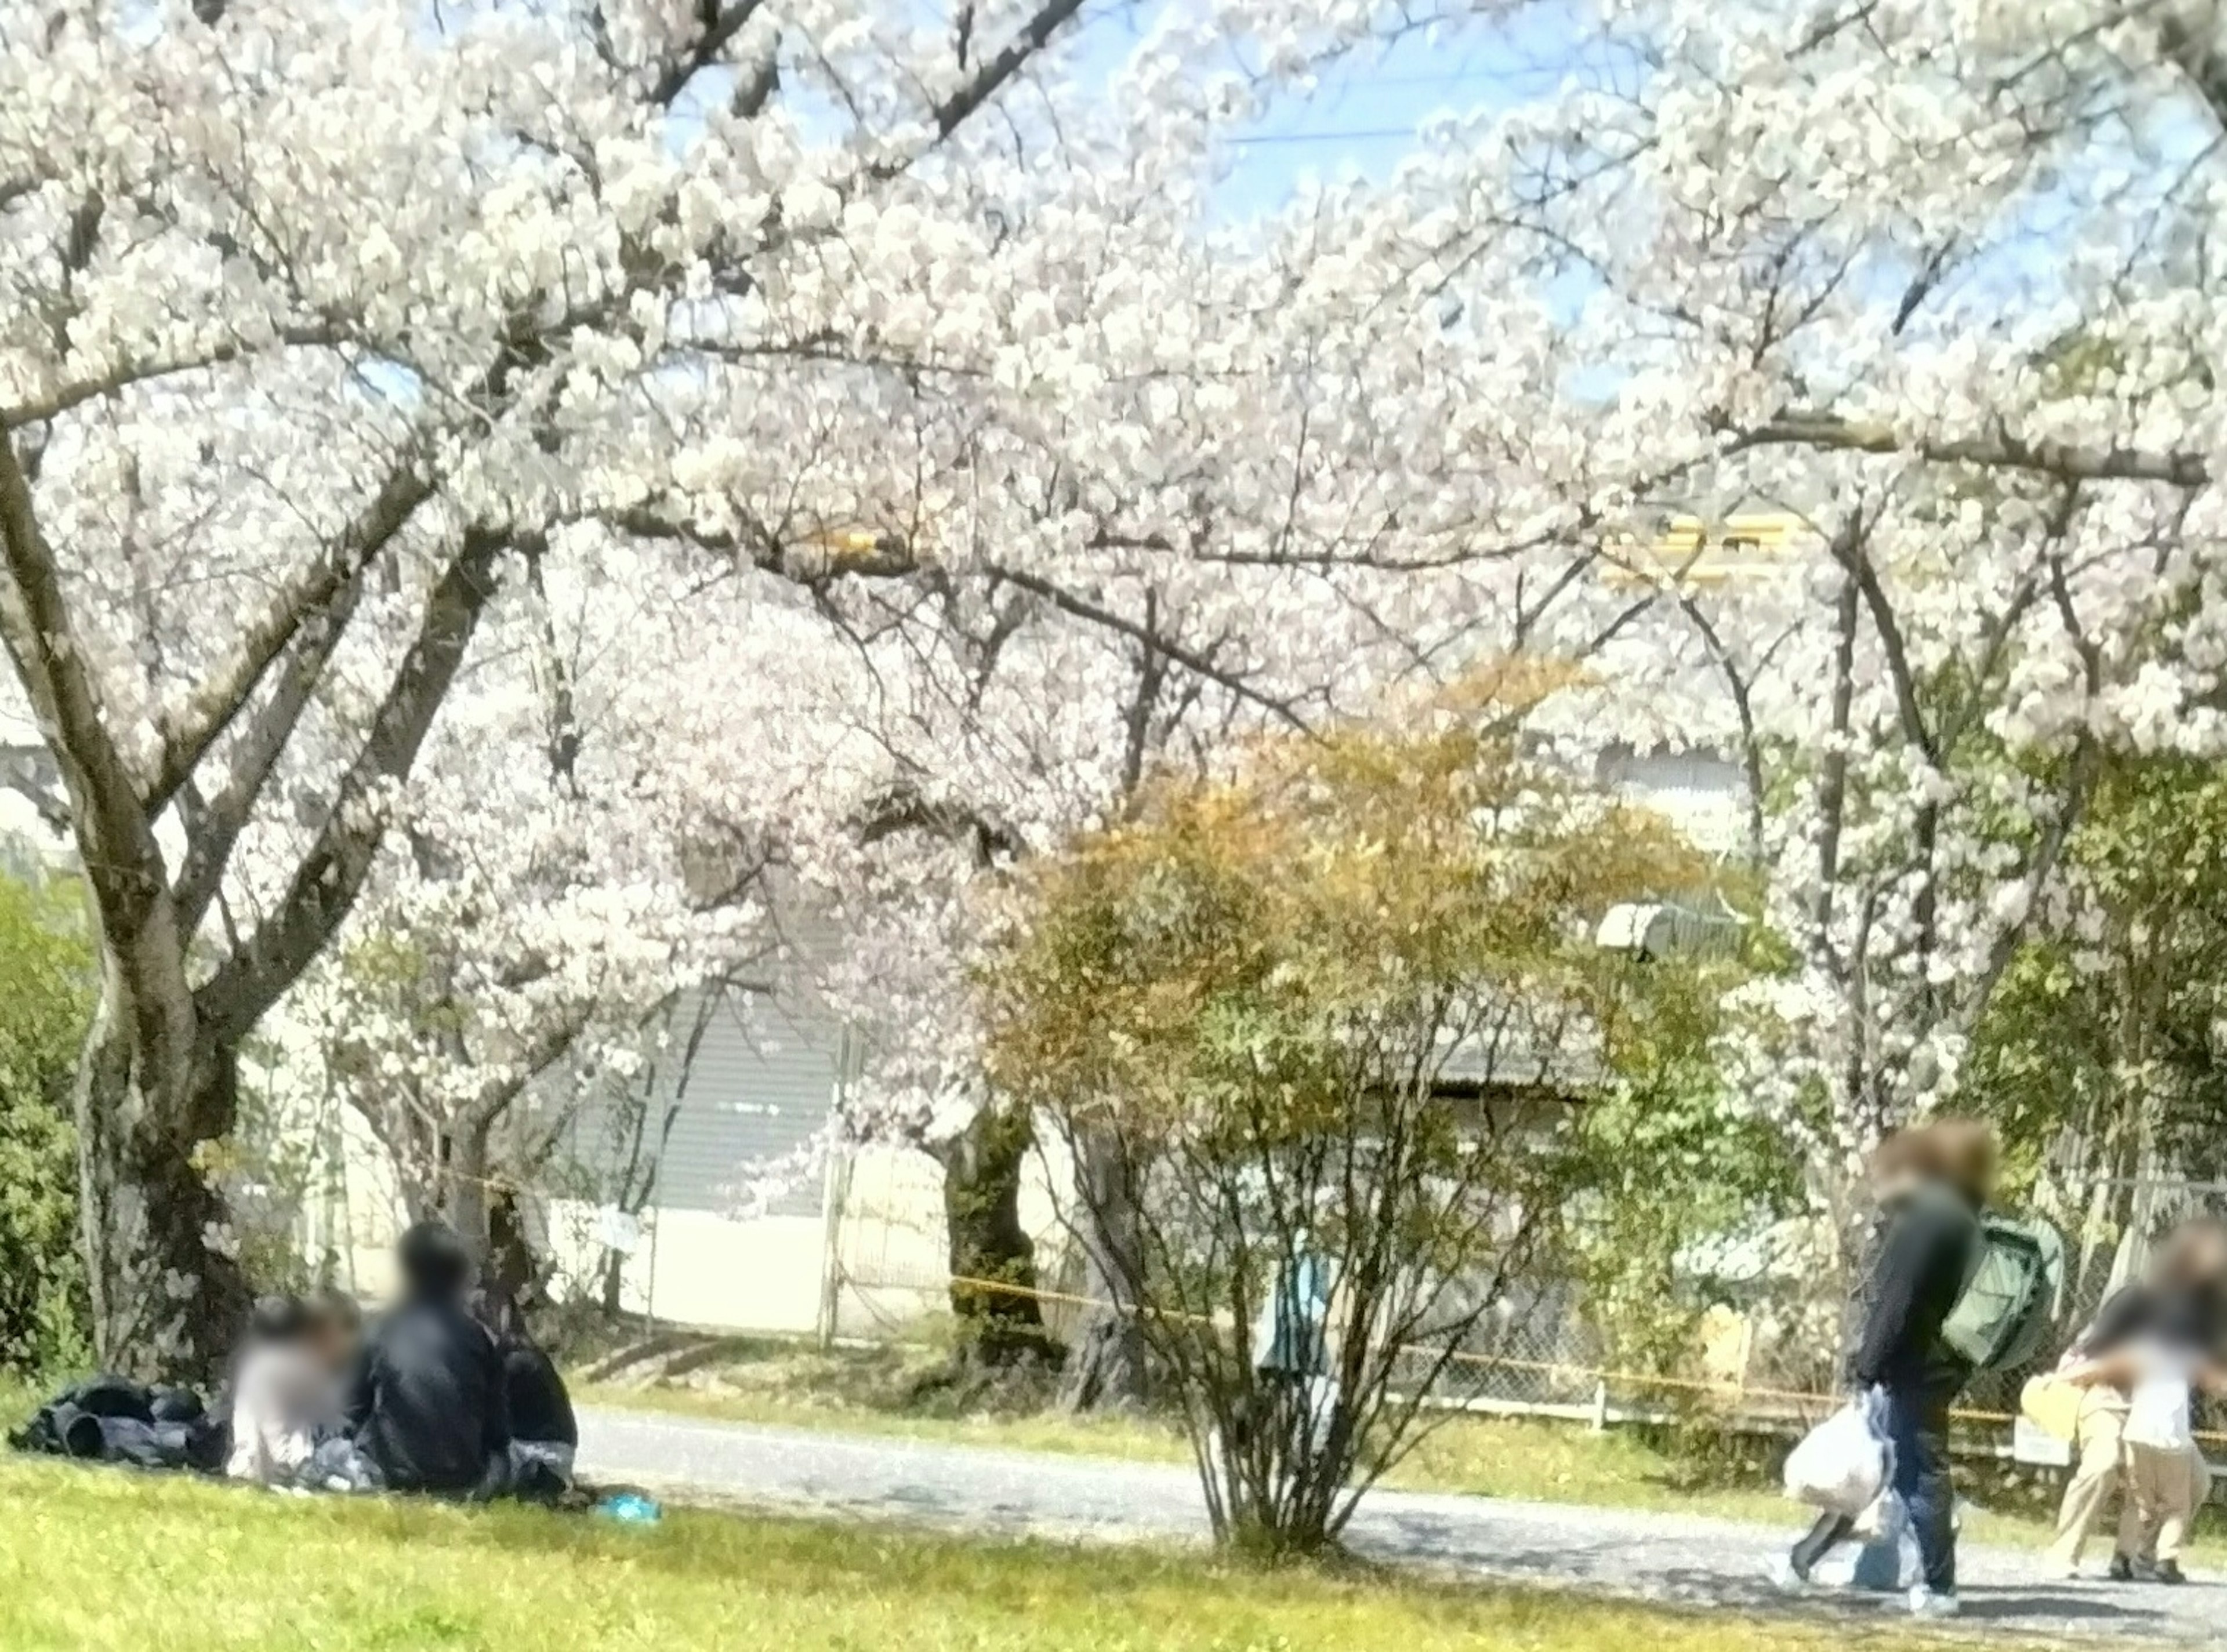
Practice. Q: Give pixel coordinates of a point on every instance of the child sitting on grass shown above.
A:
(287, 1391)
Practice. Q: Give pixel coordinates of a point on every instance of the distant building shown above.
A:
(1695, 555)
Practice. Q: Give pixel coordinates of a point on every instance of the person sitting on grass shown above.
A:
(429, 1409)
(544, 1435)
(287, 1394)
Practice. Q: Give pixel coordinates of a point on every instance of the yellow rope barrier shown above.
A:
(1642, 1379)
(1503, 1363)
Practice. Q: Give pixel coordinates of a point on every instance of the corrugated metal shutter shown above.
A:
(762, 1087)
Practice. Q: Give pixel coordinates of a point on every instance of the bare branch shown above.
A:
(332, 874)
(188, 732)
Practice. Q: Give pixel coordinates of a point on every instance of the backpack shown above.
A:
(2014, 1294)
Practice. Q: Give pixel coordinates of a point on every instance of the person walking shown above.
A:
(1932, 1183)
(2153, 1344)
(2099, 1450)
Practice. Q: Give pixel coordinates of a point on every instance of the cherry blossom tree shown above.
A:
(1800, 252)
(320, 326)
(1193, 498)
(561, 881)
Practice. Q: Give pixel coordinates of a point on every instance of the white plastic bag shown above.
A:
(1885, 1521)
(1843, 1465)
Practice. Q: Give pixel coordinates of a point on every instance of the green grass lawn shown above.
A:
(97, 1558)
(889, 1390)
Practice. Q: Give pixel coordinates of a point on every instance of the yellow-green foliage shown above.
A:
(1297, 936)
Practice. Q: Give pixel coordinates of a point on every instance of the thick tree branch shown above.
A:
(719, 29)
(904, 809)
(1137, 718)
(563, 744)
(1832, 787)
(986, 82)
(2068, 462)
(211, 836)
(99, 385)
(123, 862)
(2192, 47)
(1742, 697)
(1188, 658)
(141, 941)
(1848, 551)
(29, 771)
(331, 875)
(188, 731)
(812, 563)
(500, 1089)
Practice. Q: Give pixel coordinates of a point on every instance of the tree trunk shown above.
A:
(1105, 1368)
(614, 1293)
(993, 1261)
(169, 1298)
(464, 1166)
(511, 1268)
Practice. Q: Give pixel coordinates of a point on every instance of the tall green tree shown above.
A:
(2105, 1059)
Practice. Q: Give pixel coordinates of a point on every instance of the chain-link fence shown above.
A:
(1760, 1349)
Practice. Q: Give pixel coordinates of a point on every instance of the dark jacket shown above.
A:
(1926, 1244)
(541, 1410)
(112, 1419)
(428, 1405)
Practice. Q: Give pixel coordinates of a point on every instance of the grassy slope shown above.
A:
(97, 1557)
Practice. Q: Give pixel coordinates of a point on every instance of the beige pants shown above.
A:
(2095, 1474)
(2165, 1487)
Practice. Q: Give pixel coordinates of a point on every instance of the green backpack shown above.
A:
(2014, 1294)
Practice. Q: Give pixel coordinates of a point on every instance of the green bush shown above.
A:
(45, 999)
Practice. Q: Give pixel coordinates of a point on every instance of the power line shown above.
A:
(1359, 134)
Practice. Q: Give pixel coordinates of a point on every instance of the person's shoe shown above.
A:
(1932, 1606)
(2122, 1569)
(1785, 1576)
(2168, 1572)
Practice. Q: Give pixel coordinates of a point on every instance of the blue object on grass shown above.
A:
(633, 1509)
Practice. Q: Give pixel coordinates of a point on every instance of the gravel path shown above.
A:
(1698, 1562)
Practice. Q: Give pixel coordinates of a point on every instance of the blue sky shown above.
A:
(1368, 113)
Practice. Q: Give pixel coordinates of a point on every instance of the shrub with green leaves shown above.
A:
(46, 1000)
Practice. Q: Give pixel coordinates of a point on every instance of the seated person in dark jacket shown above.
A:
(544, 1435)
(429, 1407)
